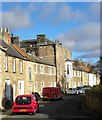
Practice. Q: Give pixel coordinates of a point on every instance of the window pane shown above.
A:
(14, 64)
(67, 69)
(6, 63)
(29, 73)
(21, 66)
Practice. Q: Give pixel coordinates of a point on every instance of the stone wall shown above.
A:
(61, 55)
(45, 78)
(93, 101)
(48, 53)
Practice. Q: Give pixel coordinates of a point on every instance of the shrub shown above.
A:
(96, 88)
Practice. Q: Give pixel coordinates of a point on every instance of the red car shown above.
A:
(25, 103)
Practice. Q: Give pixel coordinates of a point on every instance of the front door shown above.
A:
(7, 89)
(21, 87)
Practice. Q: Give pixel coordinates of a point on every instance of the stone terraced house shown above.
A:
(83, 76)
(20, 73)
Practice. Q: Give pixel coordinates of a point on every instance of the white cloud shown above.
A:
(91, 54)
(16, 18)
(85, 38)
(94, 9)
(58, 13)
(55, 13)
(46, 10)
(64, 13)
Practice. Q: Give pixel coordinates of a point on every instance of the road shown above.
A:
(70, 107)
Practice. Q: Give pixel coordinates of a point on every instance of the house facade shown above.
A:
(77, 77)
(82, 76)
(20, 73)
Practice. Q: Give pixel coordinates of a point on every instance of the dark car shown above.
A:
(25, 103)
(80, 90)
(86, 87)
(37, 95)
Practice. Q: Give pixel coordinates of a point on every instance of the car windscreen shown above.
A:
(23, 100)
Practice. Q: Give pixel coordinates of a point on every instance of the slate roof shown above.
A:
(42, 61)
(3, 44)
(68, 60)
(21, 52)
(10, 50)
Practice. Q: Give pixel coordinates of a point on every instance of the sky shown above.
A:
(75, 24)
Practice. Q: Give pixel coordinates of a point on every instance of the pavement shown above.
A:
(5, 111)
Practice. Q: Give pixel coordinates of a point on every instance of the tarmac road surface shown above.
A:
(70, 107)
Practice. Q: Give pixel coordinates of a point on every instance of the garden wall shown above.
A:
(93, 101)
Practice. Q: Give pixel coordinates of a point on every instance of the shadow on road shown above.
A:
(68, 108)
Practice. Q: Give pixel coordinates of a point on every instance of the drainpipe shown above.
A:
(55, 59)
(81, 79)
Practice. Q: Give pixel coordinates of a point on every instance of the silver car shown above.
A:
(72, 91)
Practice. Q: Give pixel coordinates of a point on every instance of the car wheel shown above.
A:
(37, 110)
(13, 113)
(33, 112)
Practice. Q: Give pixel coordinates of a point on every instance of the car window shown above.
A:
(23, 100)
(70, 88)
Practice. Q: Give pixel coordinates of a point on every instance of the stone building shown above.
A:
(19, 72)
(10, 72)
(55, 53)
(77, 76)
(83, 76)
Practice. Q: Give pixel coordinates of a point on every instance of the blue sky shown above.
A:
(75, 24)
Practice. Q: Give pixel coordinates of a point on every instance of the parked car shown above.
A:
(86, 87)
(25, 103)
(50, 93)
(73, 91)
(37, 95)
(80, 90)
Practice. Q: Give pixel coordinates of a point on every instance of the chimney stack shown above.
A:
(6, 30)
(6, 36)
(1, 30)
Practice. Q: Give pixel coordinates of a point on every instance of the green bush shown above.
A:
(96, 88)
